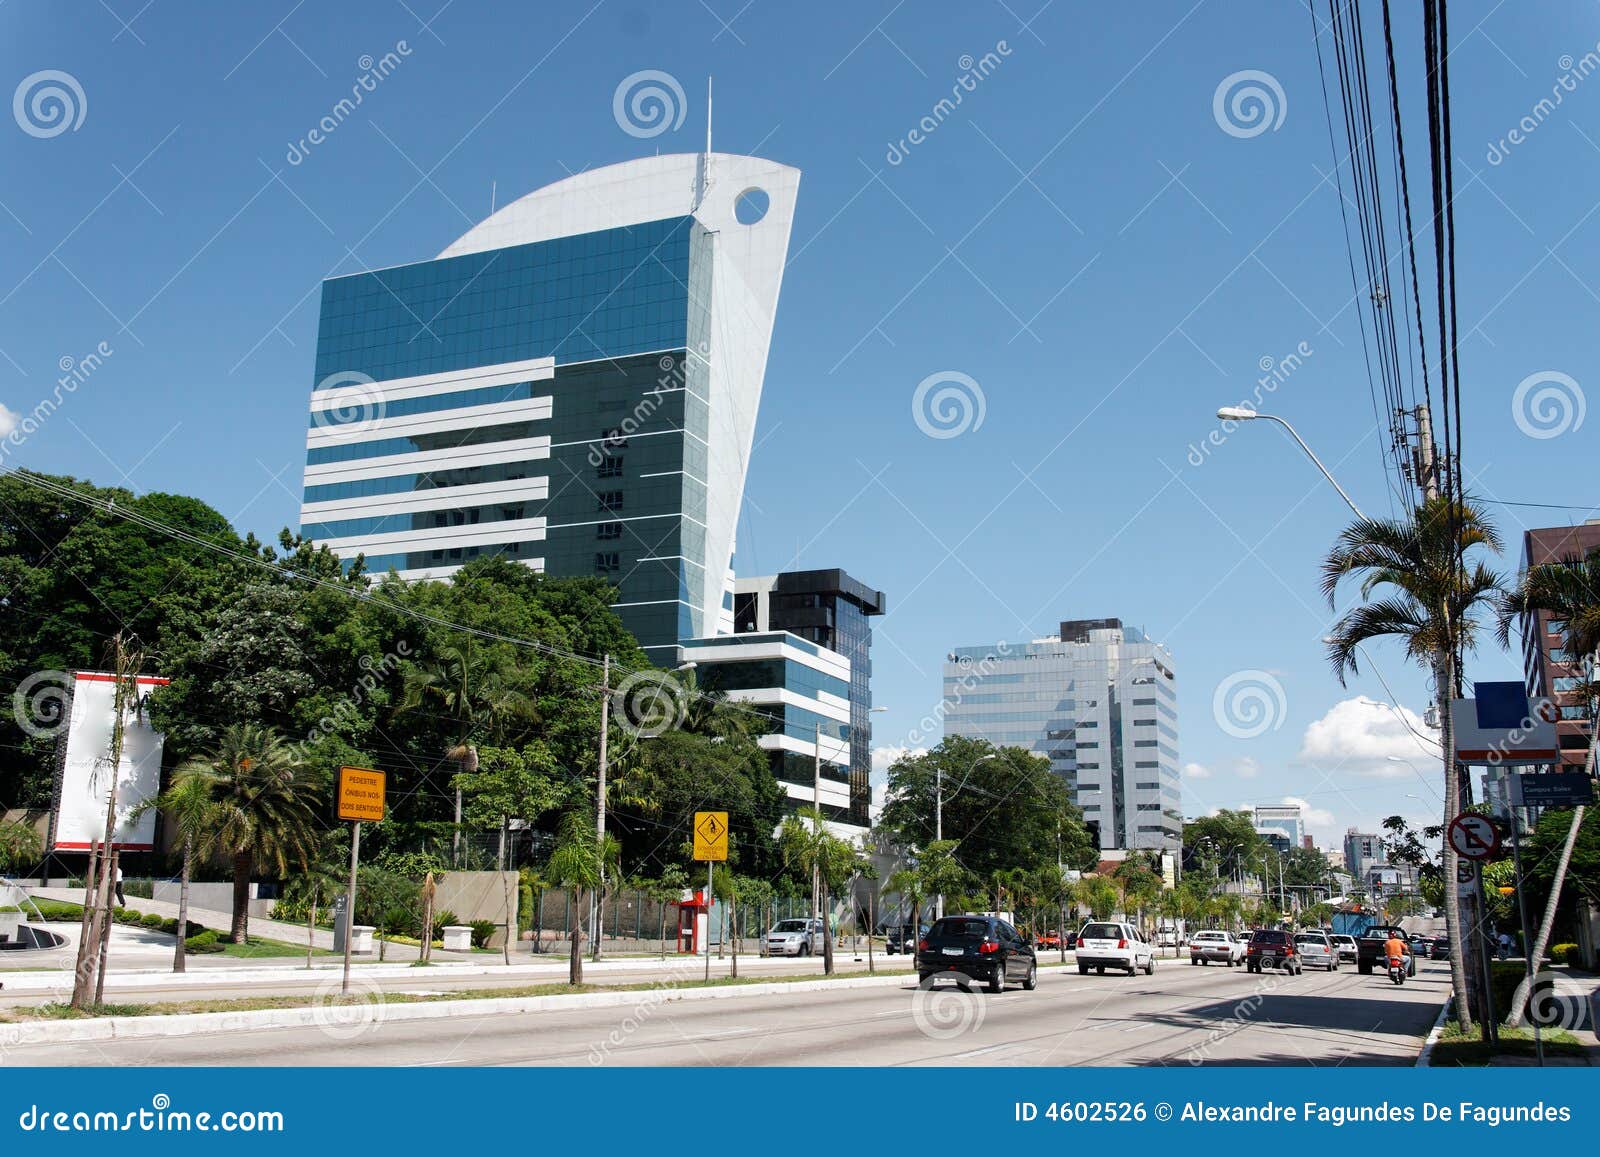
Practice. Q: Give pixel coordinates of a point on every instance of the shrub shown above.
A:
(154, 921)
(524, 907)
(56, 910)
(206, 940)
(440, 920)
(481, 931)
(126, 916)
(1567, 954)
(140, 889)
(170, 925)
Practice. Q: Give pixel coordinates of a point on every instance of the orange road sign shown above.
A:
(360, 794)
(711, 836)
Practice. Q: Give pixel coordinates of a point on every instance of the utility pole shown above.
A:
(597, 912)
(816, 803)
(938, 825)
(1426, 455)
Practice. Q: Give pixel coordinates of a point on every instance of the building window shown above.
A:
(1088, 767)
(608, 530)
(1144, 763)
(1144, 742)
(609, 501)
(609, 468)
(607, 561)
(614, 437)
(1084, 745)
(1144, 722)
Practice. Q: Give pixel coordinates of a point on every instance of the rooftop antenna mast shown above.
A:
(705, 160)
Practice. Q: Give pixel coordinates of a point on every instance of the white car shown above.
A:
(1214, 945)
(1346, 947)
(795, 938)
(1316, 951)
(1111, 944)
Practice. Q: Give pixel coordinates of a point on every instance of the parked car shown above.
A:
(1072, 941)
(1050, 940)
(904, 938)
(795, 938)
(1440, 949)
(1109, 944)
(1211, 944)
(1421, 946)
(1316, 951)
(970, 948)
(1272, 948)
(1346, 947)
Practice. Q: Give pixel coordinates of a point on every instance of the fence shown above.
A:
(634, 921)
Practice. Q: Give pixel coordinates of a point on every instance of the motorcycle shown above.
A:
(1397, 969)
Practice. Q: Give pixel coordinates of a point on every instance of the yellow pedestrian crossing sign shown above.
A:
(711, 836)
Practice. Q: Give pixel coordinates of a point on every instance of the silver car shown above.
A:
(1316, 951)
(795, 938)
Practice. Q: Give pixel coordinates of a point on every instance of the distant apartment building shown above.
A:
(1361, 851)
(1099, 700)
(1549, 672)
(1282, 820)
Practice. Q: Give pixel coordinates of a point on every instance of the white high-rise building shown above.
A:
(571, 384)
(1100, 700)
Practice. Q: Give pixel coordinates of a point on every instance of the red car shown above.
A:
(1049, 940)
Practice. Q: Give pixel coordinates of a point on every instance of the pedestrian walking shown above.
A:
(122, 901)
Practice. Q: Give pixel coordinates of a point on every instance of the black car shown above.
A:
(968, 948)
(904, 938)
(1440, 949)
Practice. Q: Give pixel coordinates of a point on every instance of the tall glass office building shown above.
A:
(1100, 701)
(571, 384)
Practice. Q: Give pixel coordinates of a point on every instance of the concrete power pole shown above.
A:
(597, 909)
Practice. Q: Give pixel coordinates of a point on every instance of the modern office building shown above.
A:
(833, 611)
(1549, 672)
(1282, 820)
(1099, 699)
(1361, 851)
(572, 384)
(802, 693)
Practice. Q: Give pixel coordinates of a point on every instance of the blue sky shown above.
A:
(1080, 238)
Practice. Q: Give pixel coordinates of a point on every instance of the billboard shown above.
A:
(83, 779)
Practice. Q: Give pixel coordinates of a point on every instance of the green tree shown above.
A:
(19, 845)
(1569, 591)
(1433, 598)
(321, 876)
(807, 843)
(265, 807)
(575, 864)
(191, 810)
(1099, 895)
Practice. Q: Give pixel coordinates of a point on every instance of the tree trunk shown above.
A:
(733, 918)
(1443, 676)
(241, 896)
(575, 957)
(181, 951)
(311, 927)
(827, 934)
(1520, 1001)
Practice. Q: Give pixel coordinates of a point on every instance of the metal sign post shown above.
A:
(360, 797)
(711, 845)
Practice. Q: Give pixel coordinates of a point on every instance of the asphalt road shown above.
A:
(1182, 1015)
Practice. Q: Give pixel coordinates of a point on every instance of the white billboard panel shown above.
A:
(85, 776)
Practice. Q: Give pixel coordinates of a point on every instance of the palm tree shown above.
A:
(189, 807)
(1570, 592)
(575, 865)
(320, 877)
(1432, 600)
(462, 681)
(264, 805)
(908, 883)
(806, 842)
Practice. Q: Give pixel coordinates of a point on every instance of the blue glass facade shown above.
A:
(625, 315)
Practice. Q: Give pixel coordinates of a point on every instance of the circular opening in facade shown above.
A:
(751, 206)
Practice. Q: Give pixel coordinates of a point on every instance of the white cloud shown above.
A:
(1245, 767)
(882, 757)
(1196, 771)
(1319, 822)
(8, 421)
(1360, 734)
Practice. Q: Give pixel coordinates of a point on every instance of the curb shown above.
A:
(347, 1020)
(1425, 1057)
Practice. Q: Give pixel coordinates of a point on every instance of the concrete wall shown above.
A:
(216, 897)
(479, 896)
(1589, 933)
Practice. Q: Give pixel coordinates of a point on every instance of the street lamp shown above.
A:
(1423, 778)
(1241, 414)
